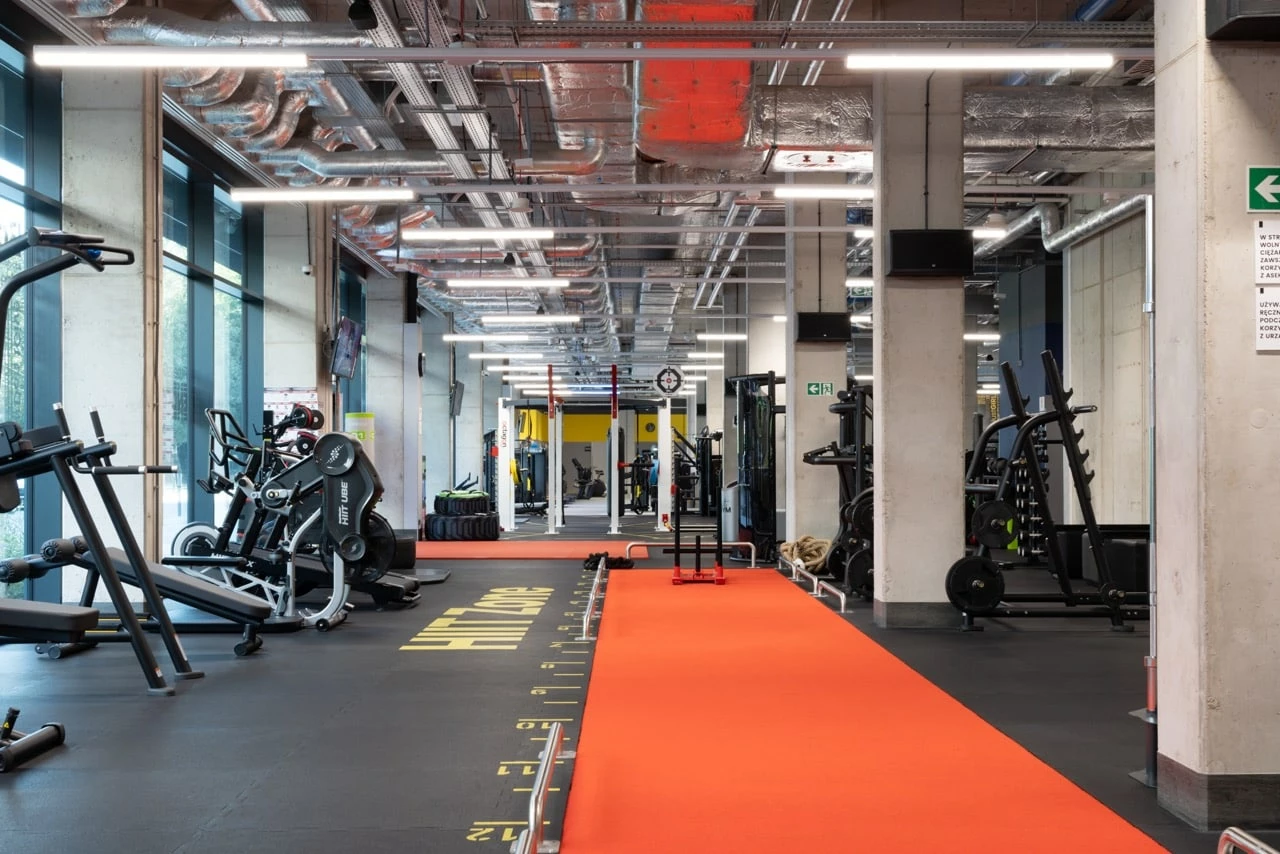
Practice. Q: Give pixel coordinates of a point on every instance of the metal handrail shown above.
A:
(798, 569)
(1234, 839)
(586, 635)
(530, 840)
(831, 588)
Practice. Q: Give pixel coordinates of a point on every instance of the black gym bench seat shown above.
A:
(45, 621)
(193, 592)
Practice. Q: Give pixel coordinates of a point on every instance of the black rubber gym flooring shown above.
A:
(1061, 688)
(348, 742)
(372, 738)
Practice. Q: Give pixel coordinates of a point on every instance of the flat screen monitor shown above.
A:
(346, 348)
(928, 253)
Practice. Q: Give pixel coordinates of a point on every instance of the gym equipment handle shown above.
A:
(1234, 839)
(133, 470)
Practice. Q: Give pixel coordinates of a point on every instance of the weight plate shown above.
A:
(836, 557)
(992, 524)
(862, 515)
(859, 574)
(975, 585)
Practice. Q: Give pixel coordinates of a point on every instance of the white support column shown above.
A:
(614, 458)
(665, 442)
(918, 343)
(413, 500)
(816, 274)
(553, 463)
(110, 187)
(506, 486)
(386, 366)
(1217, 427)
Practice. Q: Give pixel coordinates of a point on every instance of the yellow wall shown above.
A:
(594, 427)
(586, 427)
(533, 425)
(647, 427)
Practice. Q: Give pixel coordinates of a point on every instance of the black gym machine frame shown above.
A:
(975, 584)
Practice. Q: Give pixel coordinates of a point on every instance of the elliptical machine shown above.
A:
(849, 560)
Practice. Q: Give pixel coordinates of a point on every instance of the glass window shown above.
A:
(228, 240)
(177, 215)
(13, 383)
(176, 402)
(13, 122)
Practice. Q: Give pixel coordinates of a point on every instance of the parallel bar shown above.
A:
(831, 588)
(601, 562)
(531, 841)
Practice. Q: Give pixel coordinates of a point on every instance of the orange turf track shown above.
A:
(749, 718)
(523, 549)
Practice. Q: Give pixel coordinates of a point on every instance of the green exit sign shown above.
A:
(1264, 189)
(820, 388)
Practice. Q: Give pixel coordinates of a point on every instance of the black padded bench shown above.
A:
(194, 592)
(45, 621)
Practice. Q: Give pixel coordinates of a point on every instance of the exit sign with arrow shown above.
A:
(1264, 189)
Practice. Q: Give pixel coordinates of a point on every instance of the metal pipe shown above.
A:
(815, 67)
(1149, 662)
(361, 164)
(566, 162)
(733, 256)
(531, 838)
(779, 70)
(601, 562)
(1234, 839)
(173, 29)
(721, 237)
(757, 187)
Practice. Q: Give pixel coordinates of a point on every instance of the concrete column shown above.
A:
(111, 187)
(918, 344)
(435, 403)
(1106, 346)
(768, 346)
(290, 341)
(468, 433)
(1217, 429)
(815, 283)
(391, 375)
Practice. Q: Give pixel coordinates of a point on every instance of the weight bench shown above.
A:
(45, 621)
(249, 611)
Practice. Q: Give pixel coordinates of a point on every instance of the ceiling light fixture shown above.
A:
(528, 319)
(823, 191)
(443, 235)
(477, 337)
(864, 378)
(474, 284)
(487, 356)
(863, 319)
(1014, 59)
(722, 336)
(322, 194)
(779, 318)
(859, 282)
(145, 56)
(707, 354)
(982, 336)
(864, 233)
(988, 233)
(704, 368)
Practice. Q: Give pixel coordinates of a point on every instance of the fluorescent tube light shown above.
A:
(864, 318)
(113, 56)
(528, 319)
(439, 235)
(994, 388)
(510, 337)
(1015, 59)
(494, 356)
(722, 336)
(864, 233)
(989, 233)
(705, 355)
(779, 318)
(864, 378)
(859, 282)
(823, 191)
(508, 283)
(702, 368)
(989, 337)
(323, 194)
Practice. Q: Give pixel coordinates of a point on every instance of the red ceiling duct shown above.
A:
(690, 111)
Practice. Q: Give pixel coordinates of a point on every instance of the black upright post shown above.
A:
(715, 483)
(124, 608)
(675, 519)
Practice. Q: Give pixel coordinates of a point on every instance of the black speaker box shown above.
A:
(935, 252)
(830, 326)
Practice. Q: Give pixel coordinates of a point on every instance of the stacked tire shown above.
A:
(462, 516)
